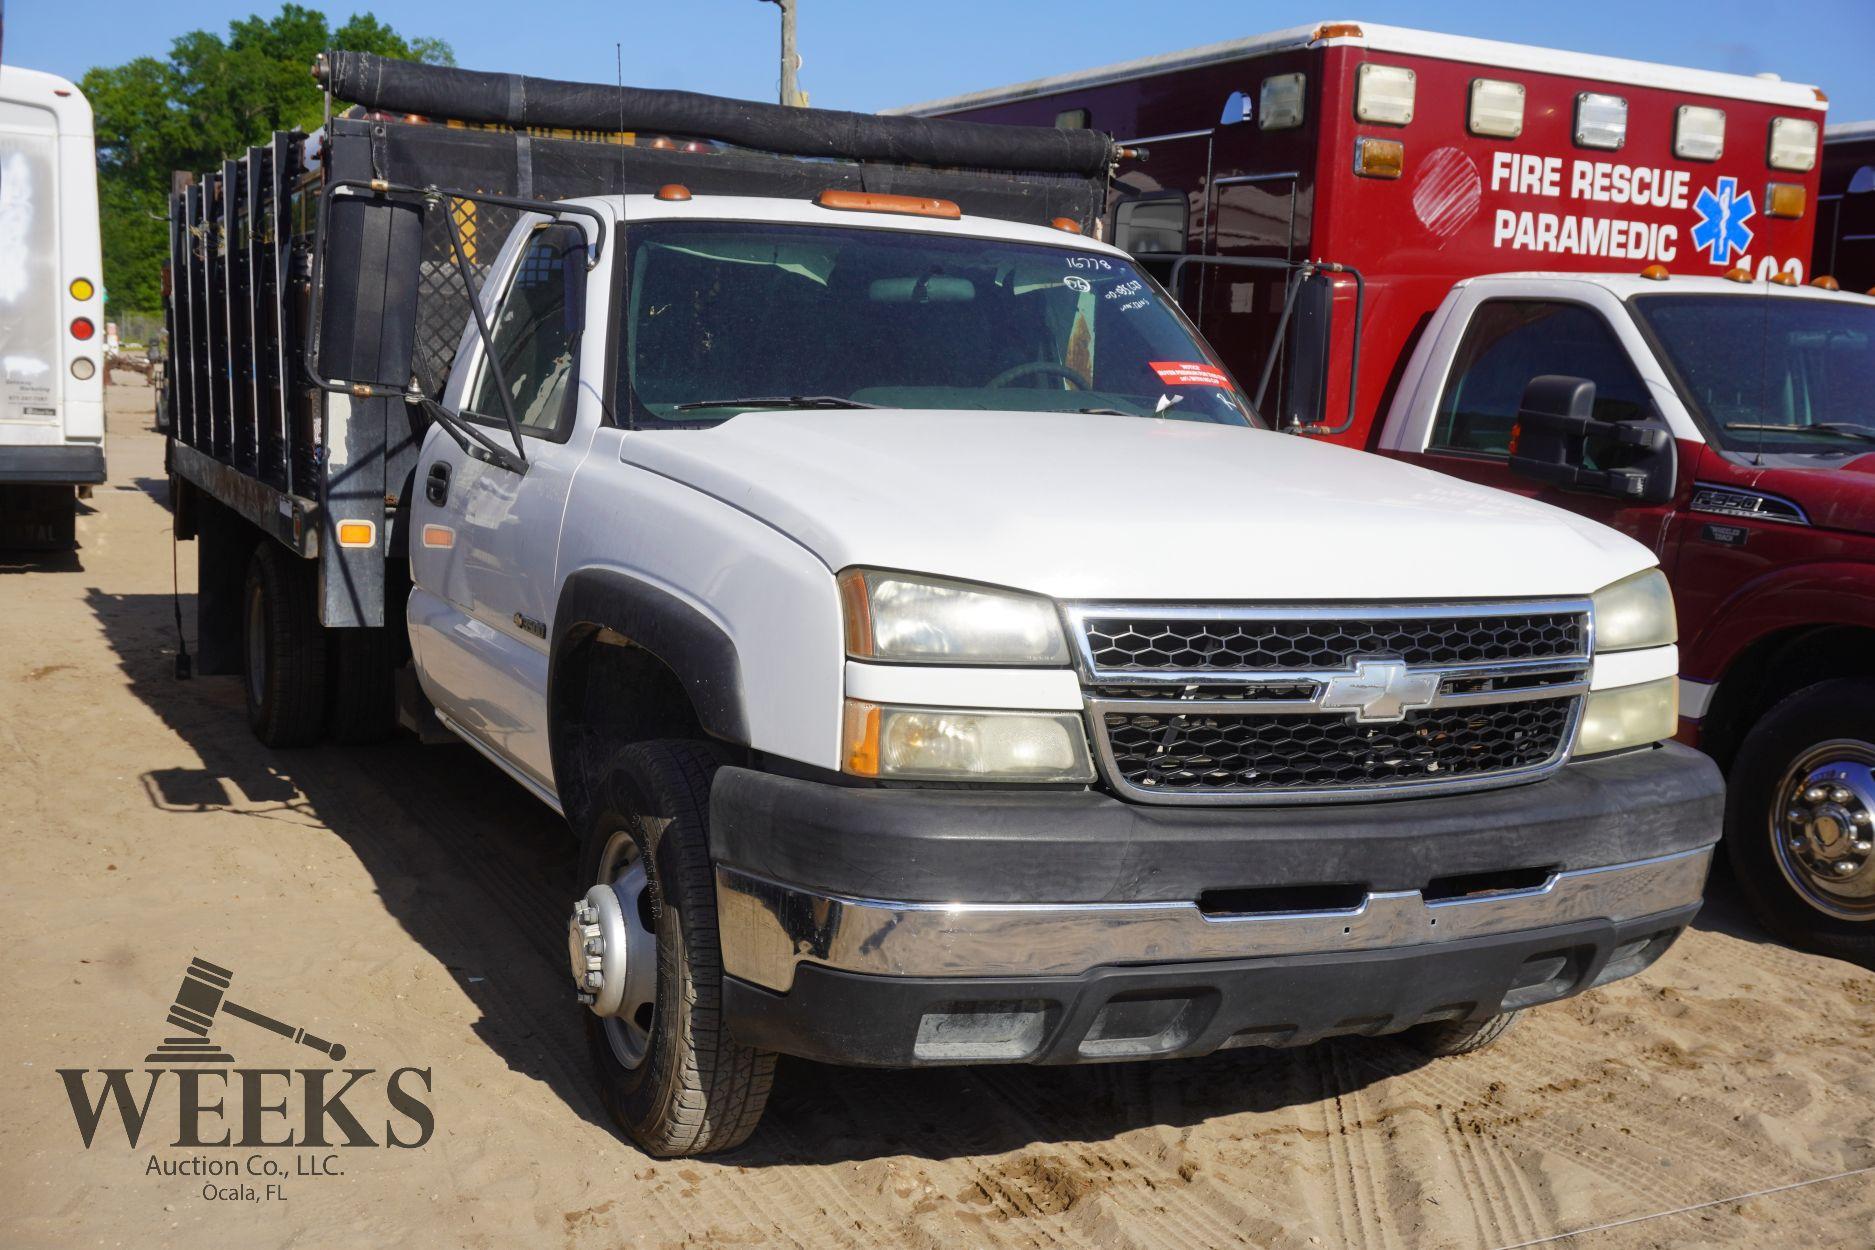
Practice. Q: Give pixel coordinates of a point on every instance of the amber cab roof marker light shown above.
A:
(875, 202)
(1339, 30)
(1823, 282)
(1737, 275)
(1066, 223)
(674, 192)
(1656, 273)
(1784, 277)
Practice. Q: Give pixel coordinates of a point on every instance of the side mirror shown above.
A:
(1559, 440)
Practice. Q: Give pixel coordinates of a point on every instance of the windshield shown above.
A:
(1772, 373)
(730, 316)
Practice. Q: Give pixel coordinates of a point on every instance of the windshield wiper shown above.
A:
(1846, 428)
(776, 401)
(1107, 412)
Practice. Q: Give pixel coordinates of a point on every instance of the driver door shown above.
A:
(486, 537)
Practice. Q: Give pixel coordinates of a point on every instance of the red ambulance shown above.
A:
(1388, 234)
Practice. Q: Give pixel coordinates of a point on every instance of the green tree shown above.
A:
(210, 97)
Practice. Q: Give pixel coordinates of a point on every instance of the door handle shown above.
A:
(436, 486)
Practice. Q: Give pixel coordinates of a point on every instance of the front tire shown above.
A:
(670, 1074)
(1800, 819)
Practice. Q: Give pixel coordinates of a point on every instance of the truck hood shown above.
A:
(1091, 507)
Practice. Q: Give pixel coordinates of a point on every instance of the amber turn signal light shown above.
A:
(82, 289)
(1783, 199)
(1379, 158)
(875, 202)
(357, 533)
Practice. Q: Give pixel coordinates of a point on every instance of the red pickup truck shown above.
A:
(1579, 278)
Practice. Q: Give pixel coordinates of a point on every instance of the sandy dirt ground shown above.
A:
(408, 902)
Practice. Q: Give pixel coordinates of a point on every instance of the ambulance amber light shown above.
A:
(875, 202)
(1339, 30)
(1737, 275)
(1823, 282)
(1784, 199)
(674, 192)
(1066, 223)
(1657, 273)
(1379, 158)
(1784, 277)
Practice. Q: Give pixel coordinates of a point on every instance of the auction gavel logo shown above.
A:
(204, 994)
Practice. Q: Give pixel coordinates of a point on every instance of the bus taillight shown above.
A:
(82, 328)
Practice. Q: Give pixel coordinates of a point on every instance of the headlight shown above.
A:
(1635, 612)
(1629, 716)
(900, 616)
(942, 744)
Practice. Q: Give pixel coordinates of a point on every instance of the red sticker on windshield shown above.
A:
(1190, 373)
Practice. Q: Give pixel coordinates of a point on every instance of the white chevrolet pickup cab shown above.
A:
(940, 664)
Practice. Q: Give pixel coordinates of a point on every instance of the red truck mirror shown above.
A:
(1559, 440)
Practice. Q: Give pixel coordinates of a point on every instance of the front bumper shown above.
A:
(921, 926)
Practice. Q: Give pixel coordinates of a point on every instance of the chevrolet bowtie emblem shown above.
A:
(1379, 690)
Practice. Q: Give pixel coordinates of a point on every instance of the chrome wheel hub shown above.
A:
(1823, 828)
(612, 951)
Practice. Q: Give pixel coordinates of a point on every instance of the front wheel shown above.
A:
(643, 952)
(1458, 1037)
(1800, 818)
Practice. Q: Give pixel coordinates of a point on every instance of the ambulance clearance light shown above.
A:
(1601, 121)
(1338, 30)
(1279, 102)
(1784, 277)
(1793, 144)
(674, 192)
(1823, 282)
(1383, 94)
(1699, 133)
(1736, 274)
(1379, 158)
(1656, 273)
(1496, 108)
(1784, 199)
(1066, 223)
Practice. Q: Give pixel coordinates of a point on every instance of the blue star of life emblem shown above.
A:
(1723, 212)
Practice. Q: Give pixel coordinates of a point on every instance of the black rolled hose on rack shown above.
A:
(436, 91)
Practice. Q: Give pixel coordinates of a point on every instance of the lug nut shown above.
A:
(1846, 866)
(594, 980)
(588, 999)
(1796, 844)
(1815, 794)
(1863, 817)
(1863, 848)
(1795, 816)
(594, 946)
(1839, 795)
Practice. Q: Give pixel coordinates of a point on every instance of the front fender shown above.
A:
(1788, 597)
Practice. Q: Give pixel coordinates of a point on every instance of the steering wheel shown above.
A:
(1046, 367)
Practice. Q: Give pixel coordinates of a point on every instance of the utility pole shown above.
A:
(790, 59)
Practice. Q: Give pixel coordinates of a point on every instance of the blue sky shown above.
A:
(870, 54)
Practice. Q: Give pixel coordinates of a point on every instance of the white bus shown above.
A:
(51, 309)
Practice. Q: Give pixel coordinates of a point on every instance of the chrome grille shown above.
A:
(1230, 704)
